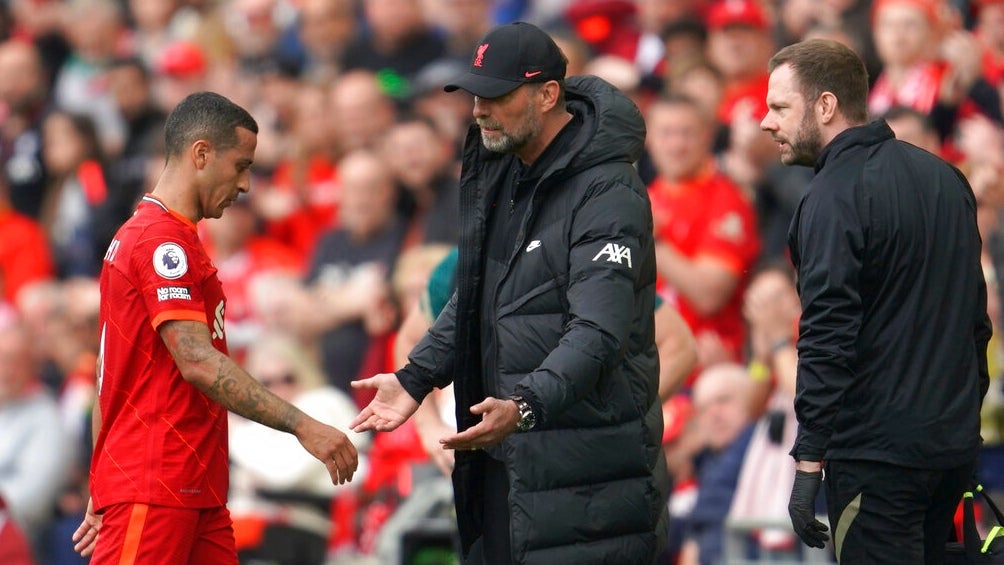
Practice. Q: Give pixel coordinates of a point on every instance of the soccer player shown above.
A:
(159, 476)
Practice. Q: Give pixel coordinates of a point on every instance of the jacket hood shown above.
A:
(613, 127)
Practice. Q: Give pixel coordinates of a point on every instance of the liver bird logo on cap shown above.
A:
(479, 59)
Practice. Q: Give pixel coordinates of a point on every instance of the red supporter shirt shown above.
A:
(753, 91)
(24, 254)
(918, 90)
(302, 228)
(708, 216)
(162, 441)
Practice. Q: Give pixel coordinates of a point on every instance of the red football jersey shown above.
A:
(708, 216)
(162, 441)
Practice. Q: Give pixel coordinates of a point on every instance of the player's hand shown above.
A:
(389, 409)
(498, 419)
(86, 536)
(802, 508)
(332, 448)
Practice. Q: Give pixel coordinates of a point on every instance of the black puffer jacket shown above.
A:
(574, 335)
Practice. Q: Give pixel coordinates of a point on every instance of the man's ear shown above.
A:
(826, 107)
(549, 91)
(200, 153)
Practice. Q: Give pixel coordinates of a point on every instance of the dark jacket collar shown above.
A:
(869, 134)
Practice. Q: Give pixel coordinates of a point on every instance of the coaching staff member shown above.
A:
(549, 338)
(159, 476)
(892, 346)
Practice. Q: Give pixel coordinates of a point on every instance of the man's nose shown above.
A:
(480, 107)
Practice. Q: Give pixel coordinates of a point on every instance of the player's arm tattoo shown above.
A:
(220, 378)
(243, 395)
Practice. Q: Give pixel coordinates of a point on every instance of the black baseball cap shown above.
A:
(508, 56)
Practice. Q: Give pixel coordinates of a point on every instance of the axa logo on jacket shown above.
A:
(614, 253)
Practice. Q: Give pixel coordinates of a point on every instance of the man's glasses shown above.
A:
(269, 382)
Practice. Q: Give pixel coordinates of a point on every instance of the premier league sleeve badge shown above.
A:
(170, 261)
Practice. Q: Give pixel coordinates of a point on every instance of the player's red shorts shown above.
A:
(142, 533)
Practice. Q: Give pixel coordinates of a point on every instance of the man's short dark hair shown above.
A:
(822, 65)
(132, 62)
(208, 116)
(685, 27)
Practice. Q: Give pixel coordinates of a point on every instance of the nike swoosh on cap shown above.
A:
(528, 74)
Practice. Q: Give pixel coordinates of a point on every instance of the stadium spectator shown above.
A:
(33, 447)
(299, 200)
(705, 228)
(739, 45)
(460, 22)
(256, 29)
(180, 69)
(685, 41)
(359, 110)
(76, 195)
(395, 44)
(771, 309)
(72, 339)
(25, 97)
(423, 166)
(155, 24)
(25, 255)
(928, 66)
(721, 397)
(324, 29)
(98, 36)
(131, 85)
(989, 30)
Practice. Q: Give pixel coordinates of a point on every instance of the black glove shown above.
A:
(802, 509)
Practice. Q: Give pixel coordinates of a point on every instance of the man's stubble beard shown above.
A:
(807, 144)
(512, 142)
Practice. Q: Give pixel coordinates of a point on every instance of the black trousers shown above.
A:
(493, 547)
(887, 514)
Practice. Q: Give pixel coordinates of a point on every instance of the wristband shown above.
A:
(780, 344)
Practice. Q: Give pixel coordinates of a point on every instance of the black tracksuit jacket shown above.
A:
(893, 337)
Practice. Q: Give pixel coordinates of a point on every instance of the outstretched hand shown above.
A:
(389, 409)
(86, 535)
(498, 419)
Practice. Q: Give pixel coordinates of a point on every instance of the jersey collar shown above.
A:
(151, 199)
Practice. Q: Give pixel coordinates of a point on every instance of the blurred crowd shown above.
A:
(354, 203)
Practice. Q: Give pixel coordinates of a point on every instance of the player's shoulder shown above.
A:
(169, 242)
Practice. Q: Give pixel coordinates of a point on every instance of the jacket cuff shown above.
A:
(805, 453)
(415, 382)
(805, 448)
